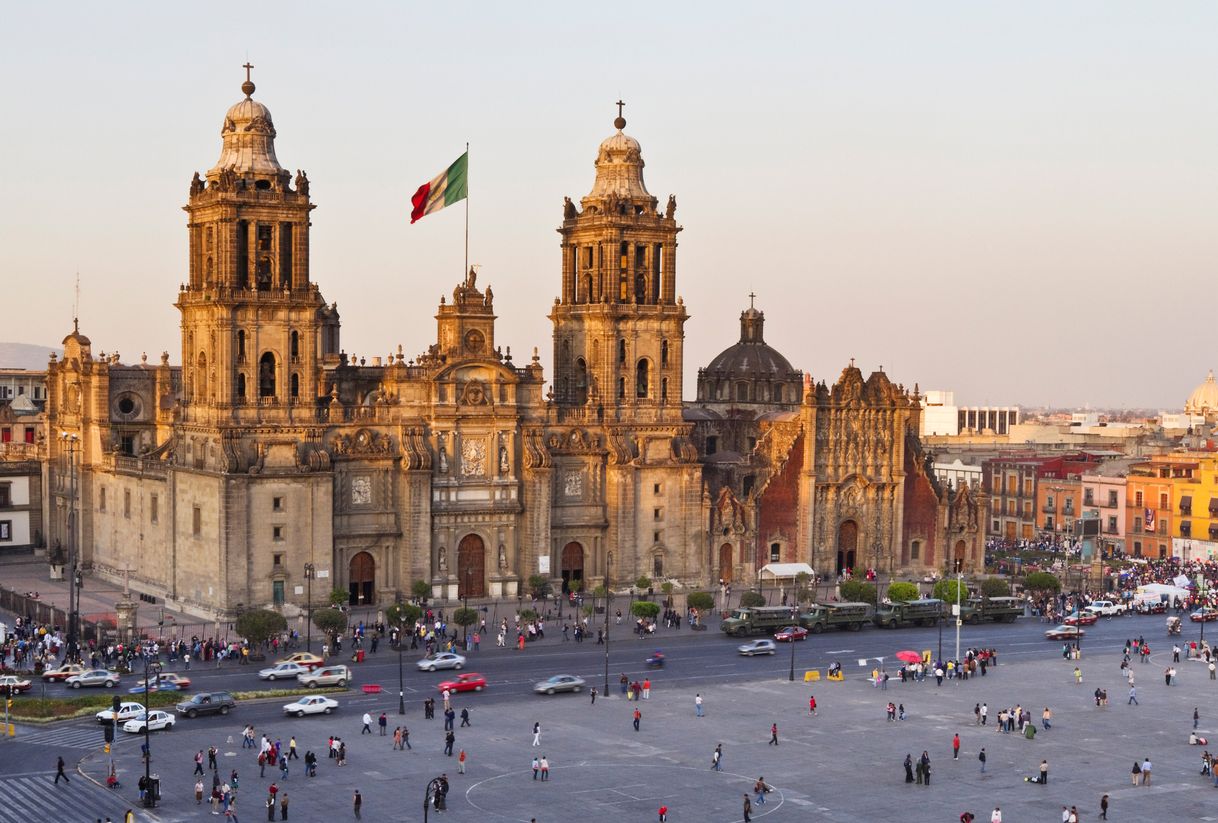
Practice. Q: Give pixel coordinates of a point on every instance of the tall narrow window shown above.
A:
(241, 386)
(663, 353)
(295, 345)
(664, 388)
(243, 254)
(621, 350)
(642, 378)
(285, 255)
(295, 385)
(241, 346)
(581, 382)
(201, 376)
(266, 375)
(621, 388)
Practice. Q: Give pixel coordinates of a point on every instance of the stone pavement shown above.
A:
(843, 764)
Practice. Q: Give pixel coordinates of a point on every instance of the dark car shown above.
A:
(207, 703)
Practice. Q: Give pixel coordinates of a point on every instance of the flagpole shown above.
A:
(465, 272)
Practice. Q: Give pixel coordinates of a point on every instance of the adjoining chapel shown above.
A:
(216, 483)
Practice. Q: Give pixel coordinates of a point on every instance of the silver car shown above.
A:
(559, 683)
(93, 677)
(762, 646)
(442, 660)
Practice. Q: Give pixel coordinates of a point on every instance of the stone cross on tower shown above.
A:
(248, 67)
(752, 296)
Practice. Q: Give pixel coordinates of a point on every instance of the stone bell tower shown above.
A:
(618, 326)
(256, 332)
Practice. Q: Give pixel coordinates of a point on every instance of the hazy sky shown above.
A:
(1016, 201)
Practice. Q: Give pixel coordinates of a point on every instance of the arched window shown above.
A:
(202, 375)
(241, 386)
(742, 392)
(581, 381)
(621, 350)
(657, 565)
(295, 345)
(241, 346)
(664, 389)
(663, 353)
(642, 379)
(621, 388)
(295, 385)
(266, 375)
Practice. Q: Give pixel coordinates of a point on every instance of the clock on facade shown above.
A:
(474, 340)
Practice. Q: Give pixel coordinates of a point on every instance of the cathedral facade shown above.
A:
(270, 464)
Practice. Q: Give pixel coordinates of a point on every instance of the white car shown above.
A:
(93, 677)
(126, 711)
(762, 646)
(283, 671)
(313, 704)
(1106, 608)
(443, 660)
(155, 721)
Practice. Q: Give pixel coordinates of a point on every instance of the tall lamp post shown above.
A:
(150, 670)
(434, 789)
(794, 625)
(71, 443)
(465, 605)
(401, 681)
(310, 571)
(608, 596)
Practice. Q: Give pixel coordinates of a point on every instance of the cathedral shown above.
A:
(270, 466)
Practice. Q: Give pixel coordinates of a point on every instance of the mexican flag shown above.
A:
(448, 187)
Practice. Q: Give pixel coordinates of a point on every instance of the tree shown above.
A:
(421, 589)
(539, 586)
(995, 587)
(258, 626)
(600, 591)
(645, 609)
(1042, 582)
(803, 591)
(945, 590)
(338, 597)
(702, 601)
(330, 621)
(856, 591)
(644, 582)
(403, 614)
(575, 586)
(902, 591)
(528, 615)
(751, 600)
(465, 617)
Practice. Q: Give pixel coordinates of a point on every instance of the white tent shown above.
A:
(785, 571)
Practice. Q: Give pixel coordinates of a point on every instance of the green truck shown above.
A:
(925, 612)
(822, 616)
(998, 609)
(757, 620)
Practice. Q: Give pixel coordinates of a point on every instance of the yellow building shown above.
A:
(1172, 506)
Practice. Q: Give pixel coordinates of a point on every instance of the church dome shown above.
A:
(249, 139)
(1204, 399)
(619, 169)
(750, 371)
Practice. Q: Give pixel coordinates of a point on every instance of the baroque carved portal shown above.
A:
(473, 457)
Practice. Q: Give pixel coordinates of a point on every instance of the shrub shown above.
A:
(1042, 582)
(421, 589)
(528, 615)
(403, 614)
(995, 587)
(645, 608)
(945, 590)
(575, 586)
(338, 597)
(702, 601)
(644, 582)
(751, 600)
(902, 591)
(330, 621)
(539, 586)
(857, 591)
(258, 626)
(465, 617)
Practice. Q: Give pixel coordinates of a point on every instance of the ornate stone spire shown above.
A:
(249, 140)
(619, 170)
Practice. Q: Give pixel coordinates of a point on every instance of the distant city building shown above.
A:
(23, 383)
(1203, 402)
(941, 416)
(22, 448)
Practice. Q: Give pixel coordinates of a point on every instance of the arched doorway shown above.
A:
(471, 567)
(572, 564)
(361, 578)
(960, 555)
(725, 563)
(847, 545)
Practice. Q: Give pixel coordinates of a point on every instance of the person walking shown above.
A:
(812, 704)
(406, 738)
(925, 762)
(544, 763)
(592, 692)
(981, 757)
(1078, 676)
(717, 758)
(383, 723)
(773, 734)
(283, 806)
(461, 762)
(1135, 774)
(367, 724)
(977, 714)
(1104, 807)
(647, 688)
(1196, 717)
(1146, 771)
(199, 760)
(465, 717)
(698, 712)
(292, 755)
(59, 772)
(956, 747)
(198, 792)
(357, 801)
(449, 739)
(996, 815)
(638, 715)
(1133, 696)
(908, 764)
(748, 809)
(536, 766)
(536, 734)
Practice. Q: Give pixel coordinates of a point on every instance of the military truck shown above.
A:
(925, 612)
(822, 616)
(757, 620)
(998, 609)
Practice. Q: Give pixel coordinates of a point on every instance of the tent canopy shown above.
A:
(785, 571)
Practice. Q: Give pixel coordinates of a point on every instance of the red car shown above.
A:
(63, 672)
(791, 633)
(467, 682)
(1205, 615)
(1081, 619)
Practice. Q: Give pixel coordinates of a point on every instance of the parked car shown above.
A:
(326, 676)
(11, 684)
(126, 711)
(93, 677)
(1064, 632)
(155, 721)
(559, 683)
(1206, 614)
(1080, 619)
(1106, 608)
(63, 672)
(207, 703)
(762, 646)
(791, 634)
(313, 704)
(282, 671)
(1150, 607)
(163, 682)
(441, 660)
(468, 682)
(306, 659)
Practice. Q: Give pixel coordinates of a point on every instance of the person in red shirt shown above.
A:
(663, 814)
(956, 747)
(812, 704)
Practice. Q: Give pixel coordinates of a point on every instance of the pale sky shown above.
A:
(1013, 201)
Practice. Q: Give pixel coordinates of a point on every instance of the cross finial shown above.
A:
(852, 362)
(248, 67)
(620, 105)
(752, 295)
(620, 122)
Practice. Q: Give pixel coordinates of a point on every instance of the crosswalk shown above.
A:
(69, 737)
(34, 796)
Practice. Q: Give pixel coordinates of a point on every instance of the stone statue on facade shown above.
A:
(503, 460)
(671, 210)
(502, 557)
(196, 185)
(568, 209)
(443, 561)
(302, 183)
(471, 278)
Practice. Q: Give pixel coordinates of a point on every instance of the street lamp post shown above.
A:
(465, 605)
(150, 669)
(794, 624)
(72, 444)
(959, 620)
(401, 681)
(608, 595)
(433, 790)
(310, 571)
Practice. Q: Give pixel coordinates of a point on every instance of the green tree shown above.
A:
(258, 626)
(645, 609)
(421, 589)
(1042, 582)
(751, 600)
(539, 586)
(857, 591)
(575, 586)
(528, 615)
(339, 597)
(643, 583)
(995, 587)
(465, 617)
(902, 591)
(600, 591)
(330, 621)
(403, 614)
(702, 601)
(945, 590)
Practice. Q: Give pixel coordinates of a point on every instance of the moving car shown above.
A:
(441, 660)
(306, 659)
(326, 676)
(313, 704)
(763, 646)
(559, 683)
(468, 682)
(11, 684)
(163, 682)
(155, 721)
(1064, 632)
(207, 703)
(1106, 608)
(791, 634)
(93, 677)
(1204, 615)
(63, 672)
(126, 711)
(282, 671)
(1080, 619)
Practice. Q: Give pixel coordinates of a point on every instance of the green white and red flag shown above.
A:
(446, 188)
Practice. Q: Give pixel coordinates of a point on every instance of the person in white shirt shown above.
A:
(996, 816)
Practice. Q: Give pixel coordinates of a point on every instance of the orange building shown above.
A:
(1150, 500)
